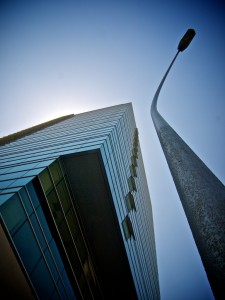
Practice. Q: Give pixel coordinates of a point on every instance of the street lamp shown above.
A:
(201, 193)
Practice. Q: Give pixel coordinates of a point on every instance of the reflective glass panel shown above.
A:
(46, 181)
(62, 290)
(44, 223)
(65, 235)
(34, 172)
(55, 207)
(72, 222)
(63, 195)
(45, 163)
(21, 181)
(67, 284)
(33, 195)
(26, 201)
(24, 167)
(38, 231)
(51, 264)
(56, 255)
(27, 246)
(42, 280)
(4, 198)
(55, 171)
(75, 262)
(81, 247)
(13, 213)
(55, 295)
(4, 184)
(12, 175)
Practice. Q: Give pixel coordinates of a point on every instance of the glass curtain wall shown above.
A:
(59, 199)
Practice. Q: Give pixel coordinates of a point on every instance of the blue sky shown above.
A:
(62, 57)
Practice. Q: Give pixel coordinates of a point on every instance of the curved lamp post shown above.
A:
(201, 193)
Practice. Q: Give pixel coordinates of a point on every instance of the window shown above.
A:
(42, 280)
(134, 160)
(33, 195)
(135, 152)
(62, 290)
(136, 132)
(44, 224)
(133, 171)
(46, 181)
(66, 237)
(130, 204)
(127, 228)
(13, 213)
(63, 196)
(67, 284)
(132, 184)
(56, 255)
(55, 207)
(27, 246)
(38, 231)
(51, 264)
(21, 181)
(55, 171)
(81, 247)
(72, 222)
(26, 201)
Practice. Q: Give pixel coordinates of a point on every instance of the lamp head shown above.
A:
(186, 40)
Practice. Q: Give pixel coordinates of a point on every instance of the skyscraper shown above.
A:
(76, 217)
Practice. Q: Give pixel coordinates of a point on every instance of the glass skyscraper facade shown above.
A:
(76, 212)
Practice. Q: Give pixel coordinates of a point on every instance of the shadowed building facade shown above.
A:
(76, 217)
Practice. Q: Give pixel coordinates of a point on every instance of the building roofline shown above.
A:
(15, 136)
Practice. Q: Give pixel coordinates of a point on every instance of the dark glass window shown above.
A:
(129, 199)
(33, 195)
(13, 213)
(42, 280)
(81, 248)
(56, 255)
(27, 246)
(63, 195)
(134, 160)
(55, 207)
(51, 264)
(55, 296)
(65, 235)
(62, 290)
(38, 231)
(26, 201)
(133, 171)
(67, 284)
(73, 224)
(127, 228)
(55, 171)
(44, 223)
(132, 184)
(84, 287)
(75, 262)
(135, 152)
(46, 181)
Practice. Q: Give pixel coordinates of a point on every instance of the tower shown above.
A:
(76, 211)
